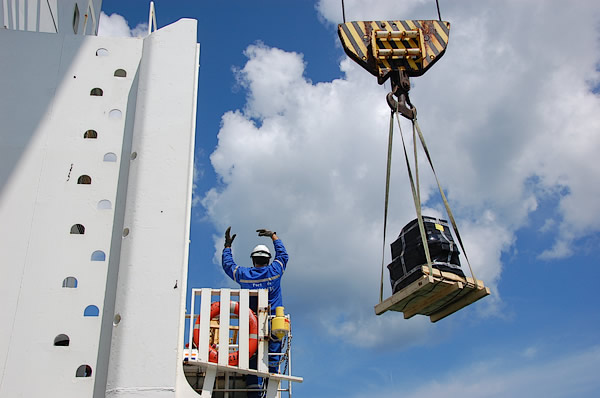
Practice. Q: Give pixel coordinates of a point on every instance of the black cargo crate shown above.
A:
(436, 229)
(408, 254)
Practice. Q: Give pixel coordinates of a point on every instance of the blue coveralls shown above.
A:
(267, 277)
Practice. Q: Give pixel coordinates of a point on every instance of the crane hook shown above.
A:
(400, 88)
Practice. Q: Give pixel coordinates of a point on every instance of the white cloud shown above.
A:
(572, 375)
(509, 109)
(115, 25)
(506, 120)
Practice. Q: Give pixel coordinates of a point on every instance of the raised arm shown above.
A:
(229, 266)
(281, 255)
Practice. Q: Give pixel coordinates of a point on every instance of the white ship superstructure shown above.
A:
(96, 154)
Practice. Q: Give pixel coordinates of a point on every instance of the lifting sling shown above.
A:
(415, 188)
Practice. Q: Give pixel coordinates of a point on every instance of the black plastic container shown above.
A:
(408, 254)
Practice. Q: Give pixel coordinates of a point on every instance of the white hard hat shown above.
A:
(261, 251)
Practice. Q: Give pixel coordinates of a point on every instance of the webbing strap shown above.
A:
(415, 188)
(416, 197)
(387, 196)
(446, 204)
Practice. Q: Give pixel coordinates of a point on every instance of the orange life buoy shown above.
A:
(234, 307)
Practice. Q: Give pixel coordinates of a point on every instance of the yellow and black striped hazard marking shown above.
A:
(382, 47)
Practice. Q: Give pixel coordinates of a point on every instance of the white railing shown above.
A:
(221, 335)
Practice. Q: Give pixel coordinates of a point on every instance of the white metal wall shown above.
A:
(146, 352)
(51, 16)
(135, 211)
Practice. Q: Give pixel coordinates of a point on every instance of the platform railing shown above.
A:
(199, 355)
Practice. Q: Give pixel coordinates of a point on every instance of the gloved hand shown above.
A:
(265, 232)
(228, 238)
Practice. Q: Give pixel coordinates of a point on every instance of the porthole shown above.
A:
(70, 282)
(110, 157)
(62, 340)
(101, 52)
(96, 92)
(77, 229)
(98, 255)
(84, 180)
(115, 114)
(120, 73)
(91, 310)
(90, 134)
(104, 204)
(84, 371)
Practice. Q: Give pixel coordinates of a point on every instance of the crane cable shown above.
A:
(437, 3)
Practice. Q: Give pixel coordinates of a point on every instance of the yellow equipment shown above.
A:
(382, 47)
(280, 324)
(396, 50)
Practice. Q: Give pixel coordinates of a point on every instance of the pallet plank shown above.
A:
(398, 298)
(437, 295)
(470, 298)
(451, 276)
(440, 294)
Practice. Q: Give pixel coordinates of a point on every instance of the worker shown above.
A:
(262, 275)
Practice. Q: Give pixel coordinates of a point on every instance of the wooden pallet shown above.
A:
(436, 296)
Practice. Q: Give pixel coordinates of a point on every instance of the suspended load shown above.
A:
(425, 271)
(408, 252)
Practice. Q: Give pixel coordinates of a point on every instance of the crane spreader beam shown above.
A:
(384, 47)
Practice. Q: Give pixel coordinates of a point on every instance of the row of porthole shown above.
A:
(79, 229)
(62, 340)
(97, 91)
(92, 135)
(104, 204)
(85, 179)
(98, 255)
(118, 73)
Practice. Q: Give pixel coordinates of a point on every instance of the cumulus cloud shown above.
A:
(507, 121)
(520, 121)
(115, 25)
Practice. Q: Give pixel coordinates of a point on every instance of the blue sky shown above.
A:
(292, 136)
